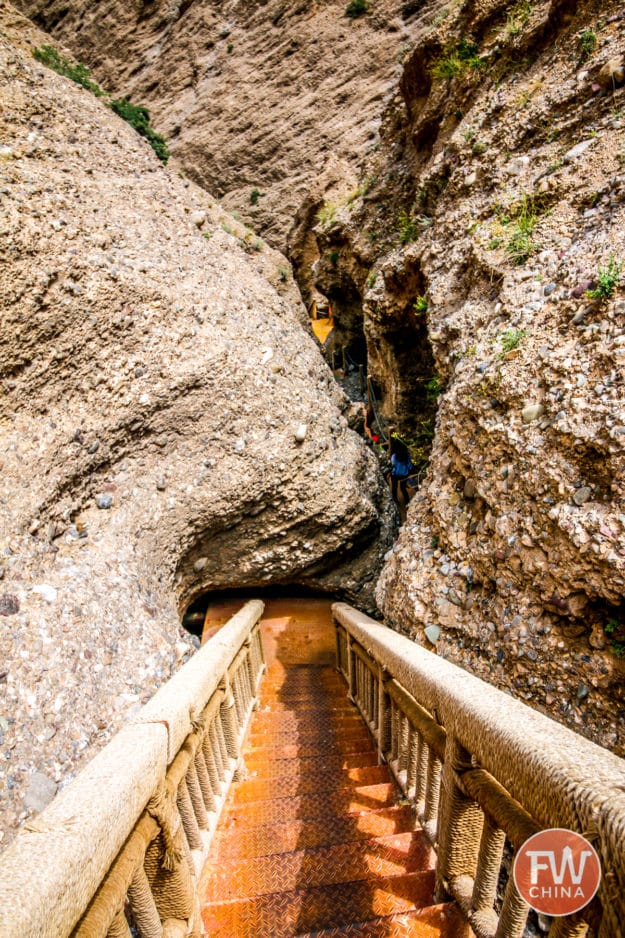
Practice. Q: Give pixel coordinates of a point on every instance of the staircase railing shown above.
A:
(126, 840)
(484, 772)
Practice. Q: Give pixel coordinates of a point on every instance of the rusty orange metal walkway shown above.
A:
(316, 841)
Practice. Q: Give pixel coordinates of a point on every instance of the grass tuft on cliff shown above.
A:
(137, 116)
(78, 73)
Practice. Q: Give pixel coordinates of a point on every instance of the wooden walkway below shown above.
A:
(316, 841)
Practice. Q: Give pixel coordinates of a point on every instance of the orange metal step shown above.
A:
(435, 921)
(304, 869)
(259, 767)
(234, 839)
(284, 914)
(262, 789)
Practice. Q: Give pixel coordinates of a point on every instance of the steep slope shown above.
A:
(497, 203)
(262, 96)
(167, 425)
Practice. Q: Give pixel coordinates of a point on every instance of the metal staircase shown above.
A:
(316, 839)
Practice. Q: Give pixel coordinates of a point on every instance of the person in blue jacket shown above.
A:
(401, 467)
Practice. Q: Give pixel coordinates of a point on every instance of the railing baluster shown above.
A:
(513, 914)
(422, 771)
(460, 822)
(143, 907)
(432, 788)
(189, 820)
(195, 793)
(411, 768)
(119, 927)
(216, 751)
(488, 866)
(204, 780)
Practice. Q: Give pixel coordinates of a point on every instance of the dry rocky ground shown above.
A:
(167, 425)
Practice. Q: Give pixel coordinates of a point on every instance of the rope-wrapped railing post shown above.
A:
(384, 716)
(143, 907)
(487, 875)
(460, 822)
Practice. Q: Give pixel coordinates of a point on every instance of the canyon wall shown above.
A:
(486, 253)
(267, 97)
(167, 426)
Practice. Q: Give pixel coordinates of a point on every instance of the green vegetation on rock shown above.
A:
(137, 116)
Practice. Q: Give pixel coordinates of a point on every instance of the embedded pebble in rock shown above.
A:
(49, 593)
(104, 501)
(9, 605)
(432, 633)
(532, 412)
(582, 495)
(300, 433)
(40, 792)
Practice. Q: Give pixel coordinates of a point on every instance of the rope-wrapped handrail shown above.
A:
(481, 768)
(131, 832)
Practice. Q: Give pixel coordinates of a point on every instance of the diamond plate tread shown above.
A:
(436, 921)
(307, 750)
(263, 789)
(305, 721)
(270, 739)
(284, 914)
(235, 841)
(304, 869)
(259, 767)
(315, 805)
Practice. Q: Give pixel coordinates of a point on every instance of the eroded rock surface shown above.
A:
(495, 204)
(155, 378)
(257, 97)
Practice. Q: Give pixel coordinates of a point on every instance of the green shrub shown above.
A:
(607, 280)
(230, 47)
(326, 213)
(587, 43)
(255, 195)
(434, 388)
(408, 228)
(357, 8)
(79, 73)
(421, 305)
(334, 258)
(617, 637)
(139, 118)
(456, 60)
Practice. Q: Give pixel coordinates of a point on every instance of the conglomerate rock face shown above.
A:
(167, 425)
(485, 255)
(261, 97)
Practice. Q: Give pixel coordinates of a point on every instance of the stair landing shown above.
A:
(316, 840)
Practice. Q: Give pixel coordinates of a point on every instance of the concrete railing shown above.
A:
(484, 772)
(123, 845)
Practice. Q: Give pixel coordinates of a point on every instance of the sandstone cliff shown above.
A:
(155, 380)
